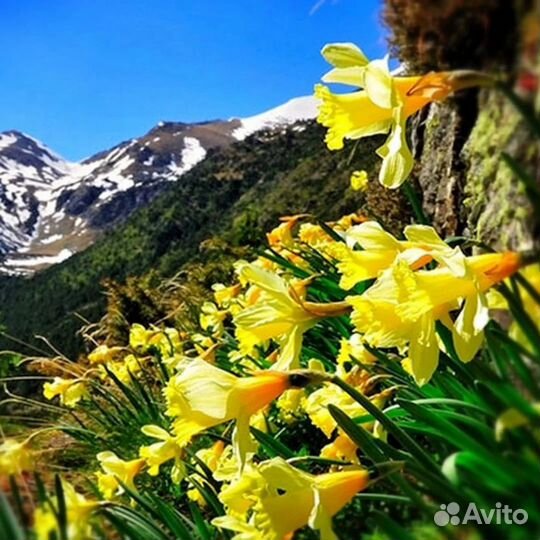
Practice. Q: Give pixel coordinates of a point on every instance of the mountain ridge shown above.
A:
(51, 208)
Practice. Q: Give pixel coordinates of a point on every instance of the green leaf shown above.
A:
(132, 524)
(390, 527)
(407, 442)
(61, 515)
(10, 528)
(271, 445)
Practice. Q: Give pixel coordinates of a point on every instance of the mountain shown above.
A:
(51, 208)
(230, 198)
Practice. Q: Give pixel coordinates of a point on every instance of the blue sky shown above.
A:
(83, 75)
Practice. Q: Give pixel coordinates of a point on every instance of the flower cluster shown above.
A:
(276, 409)
(248, 367)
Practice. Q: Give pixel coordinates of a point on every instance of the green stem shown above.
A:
(415, 202)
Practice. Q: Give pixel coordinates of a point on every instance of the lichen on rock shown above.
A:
(496, 209)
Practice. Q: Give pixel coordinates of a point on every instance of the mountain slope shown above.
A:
(236, 193)
(51, 208)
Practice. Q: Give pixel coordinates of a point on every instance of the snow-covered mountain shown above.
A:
(51, 208)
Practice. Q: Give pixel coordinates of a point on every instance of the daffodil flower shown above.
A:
(103, 354)
(15, 457)
(513, 418)
(352, 350)
(127, 368)
(119, 470)
(380, 249)
(342, 448)
(71, 391)
(316, 404)
(166, 340)
(203, 396)
(281, 499)
(165, 450)
(78, 513)
(402, 307)
(383, 105)
(279, 313)
(212, 318)
(359, 180)
(225, 295)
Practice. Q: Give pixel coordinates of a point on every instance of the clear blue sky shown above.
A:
(83, 75)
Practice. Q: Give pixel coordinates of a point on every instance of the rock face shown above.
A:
(466, 186)
(51, 208)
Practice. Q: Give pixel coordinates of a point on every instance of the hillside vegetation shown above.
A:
(236, 194)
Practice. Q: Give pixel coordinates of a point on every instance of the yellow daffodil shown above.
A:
(127, 368)
(204, 346)
(16, 457)
(316, 404)
(359, 180)
(313, 235)
(203, 396)
(380, 249)
(44, 523)
(382, 106)
(212, 318)
(71, 391)
(166, 449)
(78, 514)
(353, 350)
(120, 470)
(167, 340)
(103, 354)
(278, 312)
(225, 295)
(342, 448)
(108, 485)
(513, 418)
(281, 499)
(401, 308)
(290, 404)
(281, 236)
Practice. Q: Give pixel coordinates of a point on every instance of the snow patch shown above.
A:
(302, 108)
(39, 260)
(7, 139)
(192, 153)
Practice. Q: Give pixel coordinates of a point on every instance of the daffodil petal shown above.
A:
(352, 76)
(424, 350)
(397, 158)
(379, 85)
(343, 55)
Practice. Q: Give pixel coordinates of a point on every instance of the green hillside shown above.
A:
(242, 189)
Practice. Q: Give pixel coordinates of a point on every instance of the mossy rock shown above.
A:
(496, 209)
